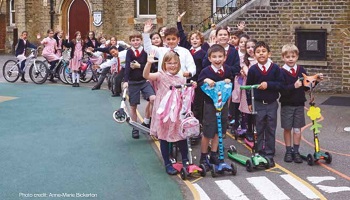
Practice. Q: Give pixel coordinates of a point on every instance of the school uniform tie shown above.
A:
(193, 51)
(264, 69)
(137, 53)
(221, 72)
(293, 71)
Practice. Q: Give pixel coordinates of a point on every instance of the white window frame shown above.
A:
(12, 12)
(138, 11)
(215, 3)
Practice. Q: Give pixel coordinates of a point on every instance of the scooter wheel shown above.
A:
(213, 171)
(233, 149)
(234, 169)
(249, 165)
(183, 173)
(328, 158)
(204, 171)
(310, 159)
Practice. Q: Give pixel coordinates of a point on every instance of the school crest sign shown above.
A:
(97, 18)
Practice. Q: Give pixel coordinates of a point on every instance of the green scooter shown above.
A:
(255, 160)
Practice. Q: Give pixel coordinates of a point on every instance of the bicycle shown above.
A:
(38, 71)
(58, 70)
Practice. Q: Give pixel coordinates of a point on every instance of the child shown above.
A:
(20, 52)
(77, 45)
(269, 77)
(172, 37)
(292, 102)
(60, 42)
(136, 59)
(166, 131)
(215, 72)
(50, 47)
(211, 40)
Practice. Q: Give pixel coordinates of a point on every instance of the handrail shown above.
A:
(220, 15)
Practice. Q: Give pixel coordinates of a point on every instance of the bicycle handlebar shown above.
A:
(181, 86)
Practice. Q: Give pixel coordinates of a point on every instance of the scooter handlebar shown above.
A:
(249, 87)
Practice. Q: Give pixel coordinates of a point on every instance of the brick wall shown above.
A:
(276, 25)
(2, 32)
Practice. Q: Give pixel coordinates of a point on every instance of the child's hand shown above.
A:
(244, 70)
(38, 36)
(298, 84)
(135, 64)
(94, 67)
(194, 84)
(263, 86)
(186, 74)
(250, 108)
(179, 16)
(227, 80)
(211, 41)
(148, 26)
(125, 85)
(150, 57)
(319, 77)
(67, 37)
(210, 82)
(241, 25)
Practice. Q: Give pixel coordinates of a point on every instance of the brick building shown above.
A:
(320, 28)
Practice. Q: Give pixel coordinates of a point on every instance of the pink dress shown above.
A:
(238, 81)
(49, 49)
(169, 131)
(243, 106)
(75, 62)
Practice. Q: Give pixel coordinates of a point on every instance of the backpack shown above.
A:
(189, 126)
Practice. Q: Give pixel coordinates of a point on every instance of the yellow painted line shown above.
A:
(199, 178)
(193, 190)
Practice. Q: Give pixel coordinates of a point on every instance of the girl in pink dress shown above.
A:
(77, 46)
(60, 42)
(49, 52)
(166, 130)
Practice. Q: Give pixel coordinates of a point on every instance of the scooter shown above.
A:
(219, 94)
(255, 160)
(314, 113)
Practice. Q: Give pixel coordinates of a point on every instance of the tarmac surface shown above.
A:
(58, 139)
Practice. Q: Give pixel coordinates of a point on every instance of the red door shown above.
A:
(79, 18)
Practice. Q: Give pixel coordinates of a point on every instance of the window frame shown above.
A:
(142, 15)
(12, 12)
(304, 35)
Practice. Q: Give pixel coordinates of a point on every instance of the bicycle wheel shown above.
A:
(11, 71)
(86, 76)
(61, 73)
(38, 72)
(67, 75)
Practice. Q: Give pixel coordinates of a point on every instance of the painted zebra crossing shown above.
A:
(261, 186)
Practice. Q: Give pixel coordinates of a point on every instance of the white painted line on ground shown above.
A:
(319, 179)
(202, 194)
(267, 188)
(300, 186)
(231, 190)
(330, 189)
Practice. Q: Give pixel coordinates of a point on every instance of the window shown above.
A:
(312, 44)
(12, 13)
(228, 4)
(146, 8)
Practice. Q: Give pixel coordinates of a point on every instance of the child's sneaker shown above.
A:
(170, 170)
(214, 159)
(288, 157)
(297, 158)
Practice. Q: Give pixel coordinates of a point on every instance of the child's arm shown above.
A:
(127, 69)
(147, 44)
(146, 71)
(183, 38)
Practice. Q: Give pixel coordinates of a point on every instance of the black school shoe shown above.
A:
(272, 163)
(288, 157)
(146, 125)
(135, 134)
(170, 170)
(297, 158)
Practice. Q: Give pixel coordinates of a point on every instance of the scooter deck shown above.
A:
(238, 157)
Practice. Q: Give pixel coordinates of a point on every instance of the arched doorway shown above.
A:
(78, 18)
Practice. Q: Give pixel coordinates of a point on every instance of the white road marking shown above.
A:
(331, 189)
(202, 194)
(267, 188)
(300, 186)
(231, 190)
(319, 179)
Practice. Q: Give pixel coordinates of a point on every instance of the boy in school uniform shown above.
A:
(292, 102)
(216, 71)
(268, 75)
(172, 38)
(136, 59)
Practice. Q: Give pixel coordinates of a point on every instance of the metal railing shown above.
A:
(220, 14)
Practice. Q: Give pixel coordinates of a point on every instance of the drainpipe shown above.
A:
(52, 12)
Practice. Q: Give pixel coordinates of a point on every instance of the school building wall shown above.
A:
(276, 25)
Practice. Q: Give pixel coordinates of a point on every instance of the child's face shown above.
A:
(195, 41)
(113, 41)
(262, 55)
(78, 37)
(51, 33)
(217, 59)
(250, 48)
(290, 59)
(24, 36)
(91, 35)
(242, 42)
(222, 37)
(135, 42)
(156, 40)
(59, 34)
(172, 41)
(103, 40)
(114, 52)
(234, 40)
(172, 66)
(161, 32)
